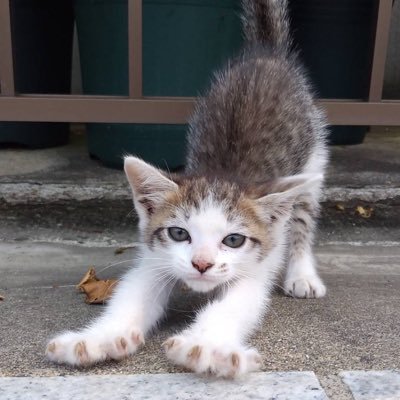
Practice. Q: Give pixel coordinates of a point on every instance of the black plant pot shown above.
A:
(42, 33)
(335, 41)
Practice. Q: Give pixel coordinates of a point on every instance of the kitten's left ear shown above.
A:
(284, 192)
(149, 185)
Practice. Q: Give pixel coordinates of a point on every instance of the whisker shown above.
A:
(163, 287)
(161, 276)
(130, 260)
(114, 264)
(181, 311)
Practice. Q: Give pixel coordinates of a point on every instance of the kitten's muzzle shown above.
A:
(201, 265)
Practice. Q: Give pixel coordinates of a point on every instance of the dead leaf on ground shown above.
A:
(339, 207)
(90, 276)
(97, 290)
(121, 250)
(364, 211)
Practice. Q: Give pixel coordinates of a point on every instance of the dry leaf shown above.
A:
(97, 290)
(365, 212)
(120, 250)
(90, 276)
(100, 291)
(339, 207)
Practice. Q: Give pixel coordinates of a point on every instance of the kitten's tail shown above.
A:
(267, 22)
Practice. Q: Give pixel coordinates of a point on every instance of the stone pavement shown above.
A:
(61, 212)
(363, 385)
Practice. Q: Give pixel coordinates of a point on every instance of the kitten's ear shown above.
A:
(284, 192)
(149, 186)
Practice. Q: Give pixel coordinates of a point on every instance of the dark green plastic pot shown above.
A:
(335, 39)
(183, 42)
(42, 34)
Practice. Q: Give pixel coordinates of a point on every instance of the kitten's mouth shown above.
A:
(201, 283)
(201, 278)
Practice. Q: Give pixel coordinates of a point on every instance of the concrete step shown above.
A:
(368, 173)
(115, 223)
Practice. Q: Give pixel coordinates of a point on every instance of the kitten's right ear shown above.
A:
(149, 186)
(285, 192)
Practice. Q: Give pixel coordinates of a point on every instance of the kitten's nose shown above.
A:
(201, 265)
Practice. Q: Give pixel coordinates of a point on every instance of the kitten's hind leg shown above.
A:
(302, 279)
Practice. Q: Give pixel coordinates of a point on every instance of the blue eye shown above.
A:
(178, 234)
(234, 240)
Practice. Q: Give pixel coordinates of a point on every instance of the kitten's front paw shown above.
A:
(205, 357)
(83, 349)
(305, 287)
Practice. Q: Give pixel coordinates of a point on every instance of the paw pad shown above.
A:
(122, 344)
(305, 287)
(235, 360)
(194, 353)
(81, 352)
(208, 358)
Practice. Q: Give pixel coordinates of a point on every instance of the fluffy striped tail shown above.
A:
(267, 22)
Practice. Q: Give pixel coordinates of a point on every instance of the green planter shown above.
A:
(335, 39)
(42, 51)
(183, 42)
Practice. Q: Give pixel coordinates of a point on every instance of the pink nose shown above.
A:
(201, 265)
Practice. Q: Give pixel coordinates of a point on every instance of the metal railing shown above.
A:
(136, 108)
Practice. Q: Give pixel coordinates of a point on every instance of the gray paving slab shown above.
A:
(334, 387)
(373, 385)
(258, 386)
(49, 265)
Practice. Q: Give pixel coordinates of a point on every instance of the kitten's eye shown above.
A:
(178, 234)
(234, 240)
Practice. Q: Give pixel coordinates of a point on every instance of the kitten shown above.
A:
(244, 206)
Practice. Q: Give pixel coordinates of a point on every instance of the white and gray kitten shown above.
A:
(256, 157)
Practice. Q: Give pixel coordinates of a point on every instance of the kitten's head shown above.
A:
(207, 232)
